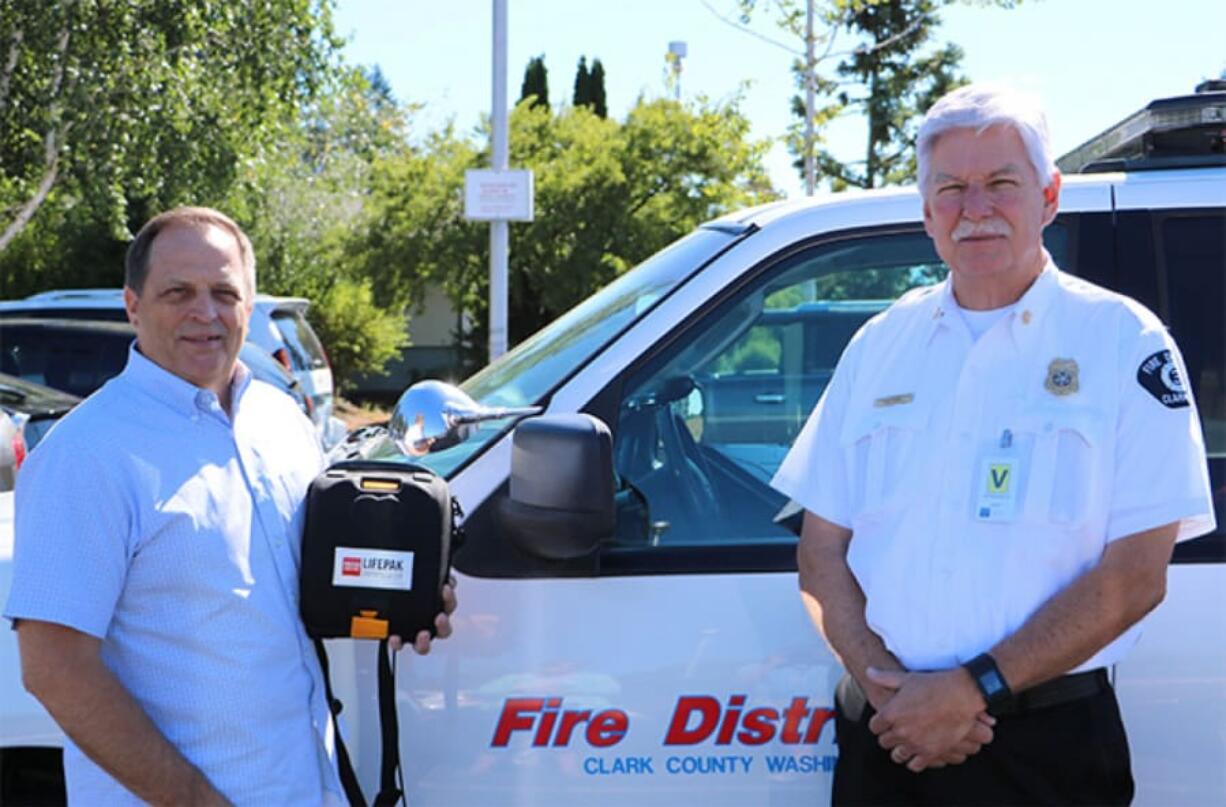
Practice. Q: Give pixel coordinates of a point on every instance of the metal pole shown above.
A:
(810, 139)
(499, 229)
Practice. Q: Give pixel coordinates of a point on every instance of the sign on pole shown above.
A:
(491, 195)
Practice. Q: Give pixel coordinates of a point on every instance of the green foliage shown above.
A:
(583, 84)
(898, 83)
(877, 284)
(607, 195)
(360, 335)
(757, 351)
(599, 102)
(589, 87)
(535, 87)
(114, 111)
(890, 76)
(301, 200)
(239, 105)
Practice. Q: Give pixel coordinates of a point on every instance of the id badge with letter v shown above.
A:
(996, 483)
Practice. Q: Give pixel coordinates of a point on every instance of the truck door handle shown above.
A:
(769, 398)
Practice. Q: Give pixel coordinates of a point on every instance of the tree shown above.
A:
(599, 103)
(589, 87)
(898, 83)
(111, 112)
(608, 195)
(302, 198)
(893, 86)
(583, 84)
(536, 82)
(117, 110)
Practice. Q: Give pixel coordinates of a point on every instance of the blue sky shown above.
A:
(1092, 61)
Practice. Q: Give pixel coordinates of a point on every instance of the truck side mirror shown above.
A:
(560, 504)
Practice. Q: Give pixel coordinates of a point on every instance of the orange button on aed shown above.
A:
(367, 626)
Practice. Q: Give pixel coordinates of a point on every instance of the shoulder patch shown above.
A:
(1161, 378)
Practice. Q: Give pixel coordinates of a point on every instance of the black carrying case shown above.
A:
(376, 550)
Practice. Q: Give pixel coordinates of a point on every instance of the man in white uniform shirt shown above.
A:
(993, 483)
(158, 529)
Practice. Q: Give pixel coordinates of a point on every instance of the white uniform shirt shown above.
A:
(1073, 399)
(151, 520)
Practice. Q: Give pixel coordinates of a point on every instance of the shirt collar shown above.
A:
(180, 395)
(1031, 310)
(1027, 314)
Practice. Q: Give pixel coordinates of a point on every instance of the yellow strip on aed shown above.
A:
(379, 484)
(367, 627)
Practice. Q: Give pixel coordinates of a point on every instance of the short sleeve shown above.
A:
(71, 528)
(1160, 473)
(814, 472)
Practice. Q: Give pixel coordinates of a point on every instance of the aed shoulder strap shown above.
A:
(349, 780)
(389, 729)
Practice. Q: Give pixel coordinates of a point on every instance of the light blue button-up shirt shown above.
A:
(152, 520)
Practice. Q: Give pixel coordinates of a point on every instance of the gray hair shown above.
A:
(980, 106)
(136, 262)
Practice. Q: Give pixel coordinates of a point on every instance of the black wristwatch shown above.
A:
(991, 683)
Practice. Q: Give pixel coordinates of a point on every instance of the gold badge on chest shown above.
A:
(1062, 377)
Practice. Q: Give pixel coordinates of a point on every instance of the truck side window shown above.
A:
(704, 423)
(1193, 250)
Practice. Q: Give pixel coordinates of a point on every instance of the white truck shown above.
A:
(636, 636)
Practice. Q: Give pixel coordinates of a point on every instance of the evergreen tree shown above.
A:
(583, 84)
(536, 82)
(596, 82)
(900, 83)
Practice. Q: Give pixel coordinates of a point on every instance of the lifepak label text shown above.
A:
(372, 568)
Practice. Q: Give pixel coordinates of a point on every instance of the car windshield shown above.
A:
(530, 372)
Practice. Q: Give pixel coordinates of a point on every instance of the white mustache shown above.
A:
(971, 229)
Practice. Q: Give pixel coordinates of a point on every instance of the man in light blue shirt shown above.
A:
(158, 528)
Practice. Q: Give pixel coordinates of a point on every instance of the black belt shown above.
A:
(1057, 691)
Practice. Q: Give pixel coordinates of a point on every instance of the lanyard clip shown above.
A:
(1006, 439)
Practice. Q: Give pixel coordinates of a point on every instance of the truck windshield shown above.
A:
(525, 375)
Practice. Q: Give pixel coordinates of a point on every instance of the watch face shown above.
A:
(991, 682)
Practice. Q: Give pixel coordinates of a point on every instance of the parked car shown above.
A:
(41, 405)
(278, 325)
(672, 662)
(78, 356)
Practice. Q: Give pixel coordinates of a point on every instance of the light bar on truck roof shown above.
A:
(1184, 131)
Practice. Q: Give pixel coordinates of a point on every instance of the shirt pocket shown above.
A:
(1064, 472)
(883, 454)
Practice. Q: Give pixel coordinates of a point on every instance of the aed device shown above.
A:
(376, 551)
